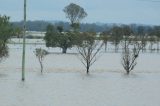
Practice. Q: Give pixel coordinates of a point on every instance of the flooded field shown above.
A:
(70, 62)
(64, 82)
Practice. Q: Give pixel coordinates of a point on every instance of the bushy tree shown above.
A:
(60, 28)
(56, 38)
(51, 36)
(5, 33)
(5, 29)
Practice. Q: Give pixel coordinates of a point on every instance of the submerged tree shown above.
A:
(40, 54)
(75, 14)
(89, 49)
(142, 36)
(126, 33)
(116, 36)
(105, 37)
(155, 33)
(130, 55)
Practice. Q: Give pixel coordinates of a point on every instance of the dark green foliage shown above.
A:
(5, 29)
(66, 40)
(5, 33)
(3, 51)
(57, 38)
(60, 28)
(51, 36)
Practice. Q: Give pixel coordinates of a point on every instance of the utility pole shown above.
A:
(24, 42)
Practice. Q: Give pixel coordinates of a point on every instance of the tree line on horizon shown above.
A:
(41, 25)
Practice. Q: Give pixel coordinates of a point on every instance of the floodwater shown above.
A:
(70, 62)
(64, 82)
(77, 89)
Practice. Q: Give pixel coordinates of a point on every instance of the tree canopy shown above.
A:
(56, 38)
(75, 14)
(5, 34)
(5, 29)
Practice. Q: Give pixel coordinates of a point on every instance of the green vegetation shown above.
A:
(5, 33)
(57, 38)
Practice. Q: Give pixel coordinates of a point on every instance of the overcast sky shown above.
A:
(105, 11)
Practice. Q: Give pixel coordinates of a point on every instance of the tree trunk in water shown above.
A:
(105, 46)
(128, 72)
(41, 67)
(64, 50)
(143, 48)
(158, 46)
(116, 48)
(40, 61)
(151, 46)
(87, 70)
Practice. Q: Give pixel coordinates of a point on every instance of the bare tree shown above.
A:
(40, 54)
(130, 55)
(88, 50)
